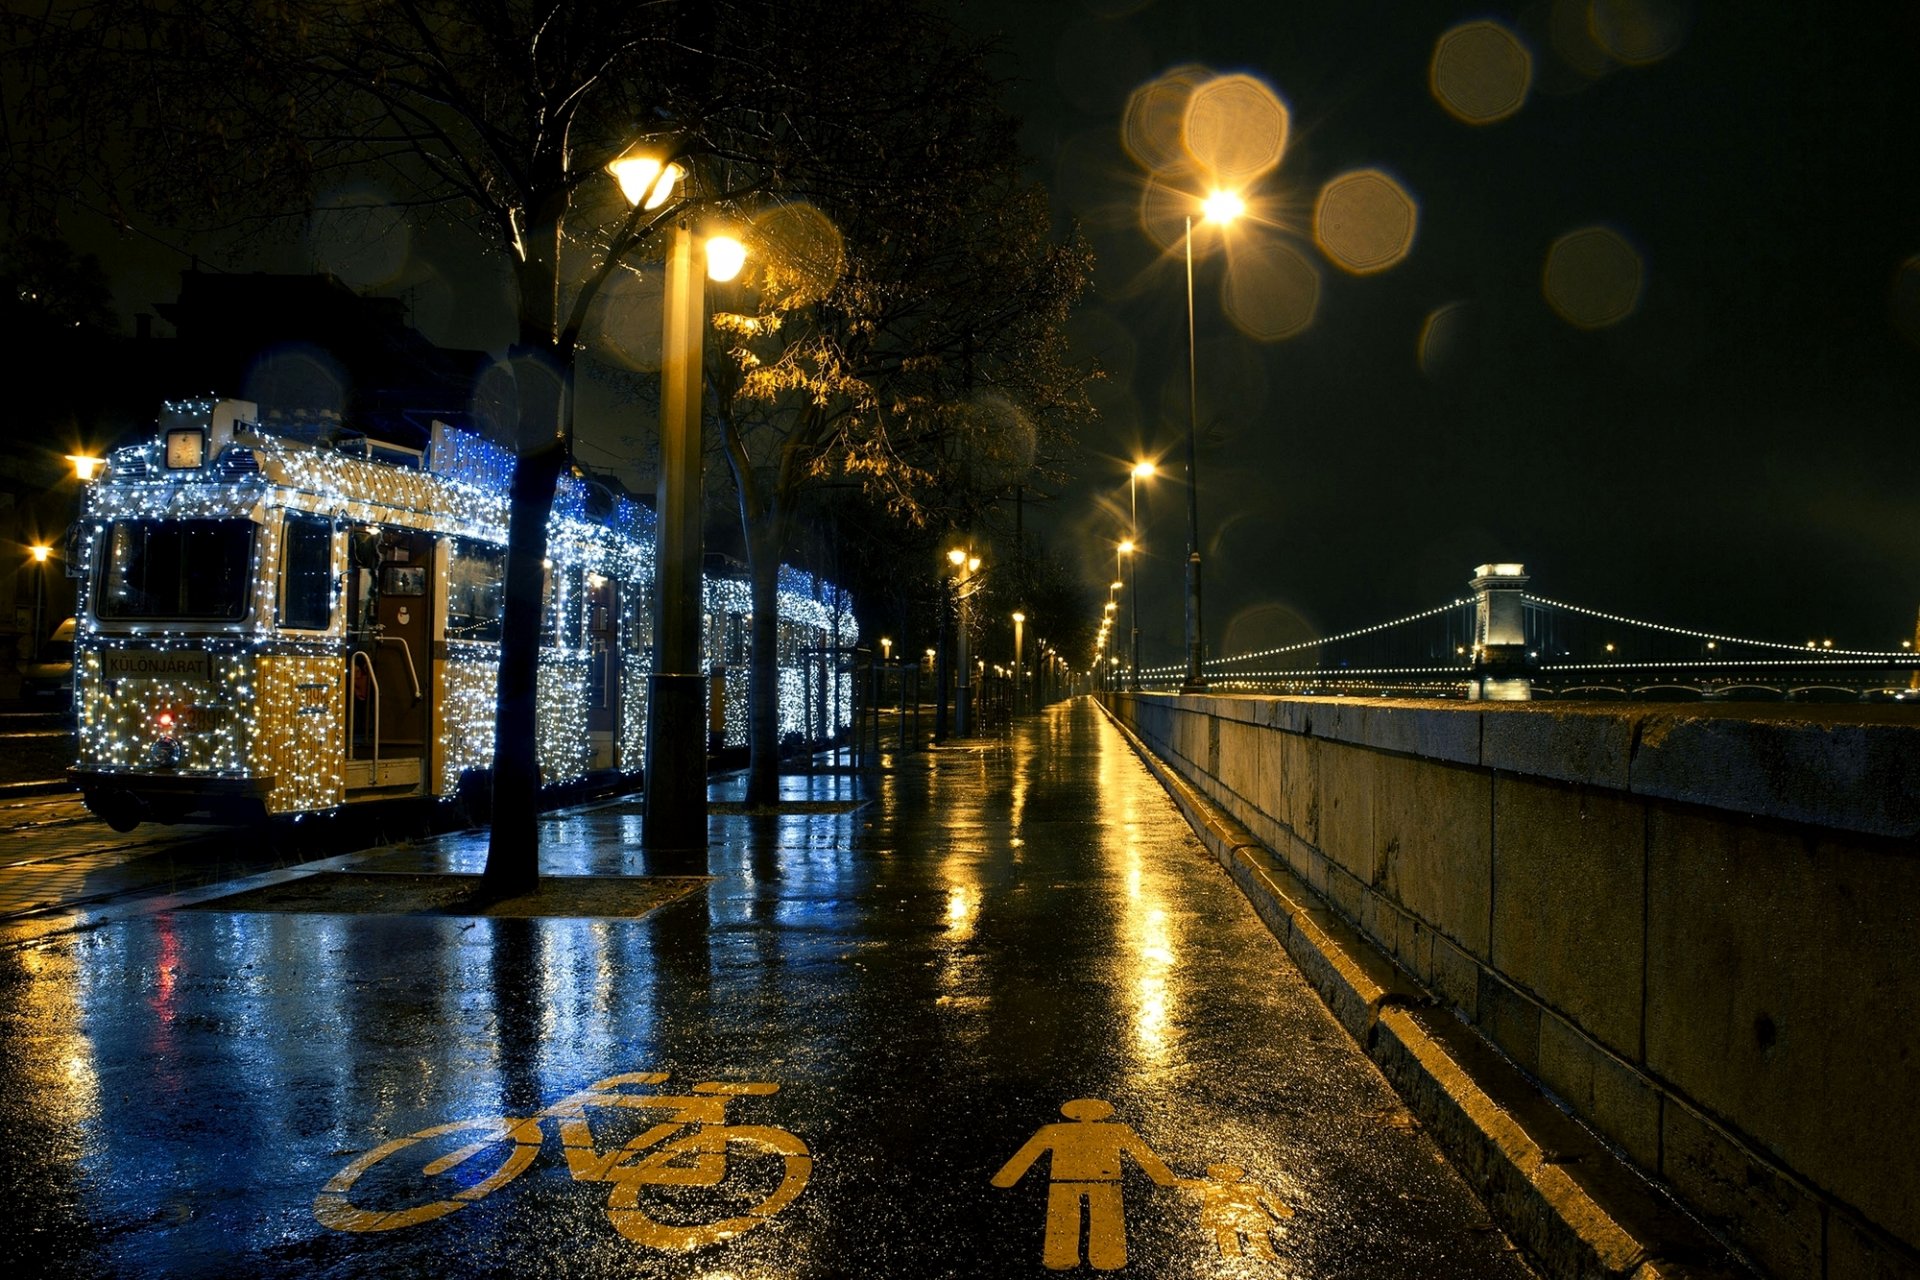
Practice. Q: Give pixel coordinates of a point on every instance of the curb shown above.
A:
(1578, 1210)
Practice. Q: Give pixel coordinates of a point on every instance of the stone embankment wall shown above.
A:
(1699, 928)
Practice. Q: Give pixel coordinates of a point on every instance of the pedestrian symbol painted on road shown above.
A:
(1085, 1169)
(1235, 1210)
(740, 1175)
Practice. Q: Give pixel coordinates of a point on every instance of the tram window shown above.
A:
(306, 576)
(476, 589)
(199, 570)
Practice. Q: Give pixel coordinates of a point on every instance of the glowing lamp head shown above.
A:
(1126, 546)
(725, 257)
(973, 564)
(1019, 617)
(1116, 584)
(85, 465)
(956, 557)
(645, 180)
(40, 553)
(1223, 207)
(1143, 471)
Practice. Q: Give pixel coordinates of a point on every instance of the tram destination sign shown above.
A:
(157, 664)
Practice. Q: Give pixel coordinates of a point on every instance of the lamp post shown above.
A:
(1019, 637)
(1141, 471)
(1221, 207)
(41, 554)
(676, 766)
(965, 566)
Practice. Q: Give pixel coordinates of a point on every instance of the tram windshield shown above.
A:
(178, 570)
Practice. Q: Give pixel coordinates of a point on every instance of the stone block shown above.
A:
(1455, 978)
(1602, 1090)
(1511, 1019)
(1858, 1252)
(1344, 795)
(1766, 1212)
(1859, 777)
(1568, 744)
(1299, 778)
(1781, 971)
(1433, 844)
(1344, 893)
(1569, 902)
(1244, 766)
(1414, 947)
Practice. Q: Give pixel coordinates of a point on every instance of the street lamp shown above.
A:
(85, 465)
(676, 790)
(1019, 627)
(1141, 471)
(1221, 207)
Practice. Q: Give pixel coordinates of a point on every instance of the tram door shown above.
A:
(389, 628)
(603, 673)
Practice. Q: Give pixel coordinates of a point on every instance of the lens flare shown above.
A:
(1592, 278)
(1904, 299)
(1236, 128)
(1442, 336)
(1638, 32)
(1153, 127)
(1271, 291)
(1364, 222)
(629, 317)
(801, 254)
(1480, 72)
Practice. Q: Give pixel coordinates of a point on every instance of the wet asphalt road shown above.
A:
(999, 932)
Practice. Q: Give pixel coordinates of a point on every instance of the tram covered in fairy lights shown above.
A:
(290, 619)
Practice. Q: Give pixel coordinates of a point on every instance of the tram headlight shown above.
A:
(164, 753)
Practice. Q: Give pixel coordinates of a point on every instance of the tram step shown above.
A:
(364, 775)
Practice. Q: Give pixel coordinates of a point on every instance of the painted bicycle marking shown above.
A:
(690, 1145)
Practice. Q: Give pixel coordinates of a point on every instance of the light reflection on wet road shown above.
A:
(928, 980)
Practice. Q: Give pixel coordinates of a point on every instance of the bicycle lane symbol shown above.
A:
(689, 1146)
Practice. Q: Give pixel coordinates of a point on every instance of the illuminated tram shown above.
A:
(287, 620)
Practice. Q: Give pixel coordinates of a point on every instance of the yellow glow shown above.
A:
(1638, 32)
(1272, 291)
(1480, 72)
(973, 563)
(1236, 128)
(85, 465)
(1019, 617)
(1223, 207)
(1592, 278)
(1364, 221)
(1143, 470)
(644, 180)
(725, 257)
(957, 556)
(40, 553)
(1126, 546)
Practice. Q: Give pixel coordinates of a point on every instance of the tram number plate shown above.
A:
(157, 664)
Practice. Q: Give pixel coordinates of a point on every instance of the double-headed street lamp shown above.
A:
(676, 768)
(1221, 207)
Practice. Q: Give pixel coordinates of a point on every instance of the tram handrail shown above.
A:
(406, 651)
(373, 703)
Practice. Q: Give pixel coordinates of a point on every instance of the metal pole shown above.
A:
(963, 691)
(1196, 679)
(1133, 578)
(676, 763)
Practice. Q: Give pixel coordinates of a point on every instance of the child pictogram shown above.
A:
(1085, 1168)
(1235, 1210)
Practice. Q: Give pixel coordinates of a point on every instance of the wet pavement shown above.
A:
(990, 1011)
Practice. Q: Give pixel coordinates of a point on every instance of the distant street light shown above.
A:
(1221, 207)
(1141, 471)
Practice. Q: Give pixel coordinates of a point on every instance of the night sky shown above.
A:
(1726, 441)
(1734, 450)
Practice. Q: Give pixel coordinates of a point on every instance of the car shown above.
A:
(51, 674)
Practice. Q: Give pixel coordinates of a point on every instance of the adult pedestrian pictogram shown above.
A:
(1085, 1167)
(687, 1180)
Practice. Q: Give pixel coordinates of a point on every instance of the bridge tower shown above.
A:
(1502, 672)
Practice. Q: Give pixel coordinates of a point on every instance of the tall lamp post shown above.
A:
(1019, 636)
(676, 761)
(1221, 207)
(1141, 471)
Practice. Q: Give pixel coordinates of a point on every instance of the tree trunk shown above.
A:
(763, 673)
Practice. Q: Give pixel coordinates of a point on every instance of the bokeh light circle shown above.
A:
(1271, 290)
(1638, 32)
(1592, 278)
(630, 314)
(1480, 73)
(1443, 335)
(1236, 128)
(1364, 221)
(1153, 128)
(1904, 299)
(798, 254)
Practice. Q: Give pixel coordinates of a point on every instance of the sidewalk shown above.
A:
(879, 997)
